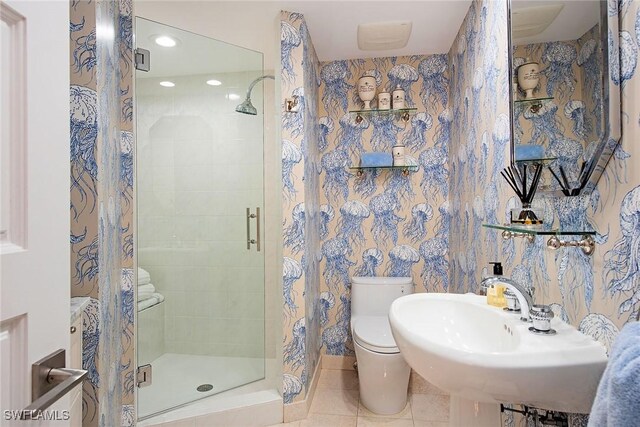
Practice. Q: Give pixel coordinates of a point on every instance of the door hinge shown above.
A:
(142, 59)
(143, 375)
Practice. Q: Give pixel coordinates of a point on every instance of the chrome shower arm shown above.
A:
(255, 82)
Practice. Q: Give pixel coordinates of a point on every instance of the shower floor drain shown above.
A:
(204, 387)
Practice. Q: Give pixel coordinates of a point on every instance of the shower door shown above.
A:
(200, 290)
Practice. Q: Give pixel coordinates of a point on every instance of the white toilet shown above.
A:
(382, 372)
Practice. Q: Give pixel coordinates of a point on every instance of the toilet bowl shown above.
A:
(382, 372)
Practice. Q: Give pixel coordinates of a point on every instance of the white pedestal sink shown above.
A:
(483, 354)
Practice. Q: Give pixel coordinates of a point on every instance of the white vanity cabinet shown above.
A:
(78, 304)
(75, 362)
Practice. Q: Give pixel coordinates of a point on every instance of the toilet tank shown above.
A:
(372, 296)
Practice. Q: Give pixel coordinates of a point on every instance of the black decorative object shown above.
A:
(565, 185)
(518, 183)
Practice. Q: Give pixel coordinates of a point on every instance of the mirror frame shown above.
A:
(612, 130)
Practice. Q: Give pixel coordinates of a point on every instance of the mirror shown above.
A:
(565, 96)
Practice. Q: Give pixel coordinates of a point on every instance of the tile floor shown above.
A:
(337, 404)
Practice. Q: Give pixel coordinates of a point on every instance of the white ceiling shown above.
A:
(333, 25)
(576, 18)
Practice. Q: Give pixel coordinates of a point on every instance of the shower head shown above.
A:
(247, 107)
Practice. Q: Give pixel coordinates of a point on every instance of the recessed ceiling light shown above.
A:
(214, 82)
(165, 41)
(167, 84)
(233, 96)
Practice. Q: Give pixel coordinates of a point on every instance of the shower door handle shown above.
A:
(255, 241)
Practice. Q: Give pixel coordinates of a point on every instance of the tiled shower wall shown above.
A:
(101, 211)
(200, 166)
(382, 223)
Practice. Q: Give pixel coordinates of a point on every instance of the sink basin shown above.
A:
(482, 353)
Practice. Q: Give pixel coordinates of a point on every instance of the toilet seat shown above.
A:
(374, 334)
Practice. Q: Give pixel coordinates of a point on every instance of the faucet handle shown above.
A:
(482, 290)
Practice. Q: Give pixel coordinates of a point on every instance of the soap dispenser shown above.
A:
(495, 293)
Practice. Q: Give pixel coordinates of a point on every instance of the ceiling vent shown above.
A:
(384, 35)
(531, 21)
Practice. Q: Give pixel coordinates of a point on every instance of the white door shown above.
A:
(34, 183)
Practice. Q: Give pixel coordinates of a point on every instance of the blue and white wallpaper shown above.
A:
(101, 209)
(597, 294)
(429, 225)
(302, 213)
(382, 223)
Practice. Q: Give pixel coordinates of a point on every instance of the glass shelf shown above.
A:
(540, 230)
(405, 169)
(540, 100)
(544, 161)
(400, 113)
(390, 111)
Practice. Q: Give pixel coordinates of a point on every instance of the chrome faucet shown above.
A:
(525, 299)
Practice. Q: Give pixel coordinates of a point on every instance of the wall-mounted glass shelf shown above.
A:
(403, 113)
(544, 161)
(533, 100)
(405, 169)
(534, 104)
(541, 230)
(390, 111)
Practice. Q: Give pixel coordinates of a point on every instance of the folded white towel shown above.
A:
(145, 291)
(144, 277)
(155, 299)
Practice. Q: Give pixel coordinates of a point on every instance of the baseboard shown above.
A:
(299, 410)
(338, 362)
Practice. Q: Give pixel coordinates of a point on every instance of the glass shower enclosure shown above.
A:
(199, 169)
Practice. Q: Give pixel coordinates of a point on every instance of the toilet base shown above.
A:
(384, 381)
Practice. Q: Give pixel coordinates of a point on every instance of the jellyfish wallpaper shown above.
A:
(305, 220)
(335, 254)
(385, 220)
(385, 132)
(401, 260)
(102, 200)
(294, 231)
(417, 230)
(289, 39)
(372, 258)
(463, 114)
(403, 76)
(575, 111)
(327, 302)
(334, 77)
(435, 173)
(350, 133)
(435, 83)
(416, 139)
(291, 155)
(334, 165)
(381, 216)
(291, 272)
(352, 214)
(435, 270)
(326, 127)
